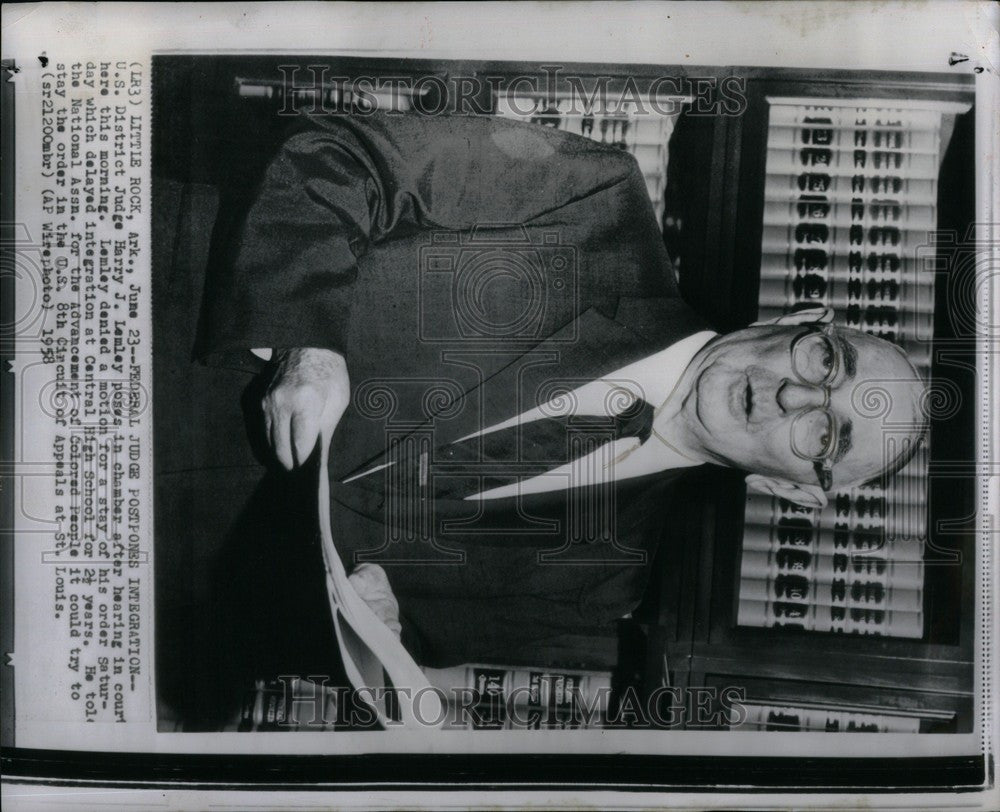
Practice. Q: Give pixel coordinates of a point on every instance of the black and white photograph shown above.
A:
(441, 396)
(624, 382)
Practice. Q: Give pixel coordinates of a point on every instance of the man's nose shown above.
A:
(793, 396)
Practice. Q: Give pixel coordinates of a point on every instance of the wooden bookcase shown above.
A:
(691, 613)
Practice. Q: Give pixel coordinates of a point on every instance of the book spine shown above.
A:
(828, 720)
(506, 698)
(842, 619)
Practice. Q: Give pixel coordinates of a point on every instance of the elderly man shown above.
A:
(478, 316)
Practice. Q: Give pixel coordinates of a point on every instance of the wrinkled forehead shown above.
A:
(884, 409)
(876, 357)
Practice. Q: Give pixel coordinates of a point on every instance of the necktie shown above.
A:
(370, 651)
(475, 464)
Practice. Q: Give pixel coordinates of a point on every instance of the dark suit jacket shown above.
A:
(467, 268)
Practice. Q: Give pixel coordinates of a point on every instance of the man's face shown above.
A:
(745, 396)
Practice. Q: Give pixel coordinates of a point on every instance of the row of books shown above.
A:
(826, 588)
(793, 160)
(635, 131)
(819, 133)
(813, 572)
(551, 701)
(855, 202)
(326, 94)
(479, 697)
(885, 116)
(847, 550)
(290, 704)
(794, 573)
(850, 195)
(832, 533)
(832, 619)
(865, 578)
(840, 187)
(869, 217)
(846, 247)
(879, 312)
(788, 165)
(909, 332)
(864, 285)
(522, 699)
(786, 718)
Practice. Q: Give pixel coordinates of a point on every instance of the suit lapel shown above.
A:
(661, 321)
(589, 347)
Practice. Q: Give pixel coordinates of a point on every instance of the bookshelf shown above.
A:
(860, 614)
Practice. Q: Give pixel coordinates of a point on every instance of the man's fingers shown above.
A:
(305, 398)
(292, 434)
(281, 441)
(372, 584)
(305, 429)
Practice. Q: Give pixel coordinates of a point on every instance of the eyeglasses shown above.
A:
(816, 360)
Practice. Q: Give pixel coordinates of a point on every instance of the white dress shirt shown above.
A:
(653, 379)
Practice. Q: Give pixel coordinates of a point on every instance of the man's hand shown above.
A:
(306, 397)
(372, 584)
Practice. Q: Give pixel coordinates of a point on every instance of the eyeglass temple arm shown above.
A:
(824, 475)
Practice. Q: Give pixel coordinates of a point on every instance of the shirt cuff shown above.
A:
(263, 353)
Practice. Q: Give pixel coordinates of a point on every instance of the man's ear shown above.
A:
(810, 496)
(811, 315)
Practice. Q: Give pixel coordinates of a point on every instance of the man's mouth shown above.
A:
(697, 399)
(748, 399)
